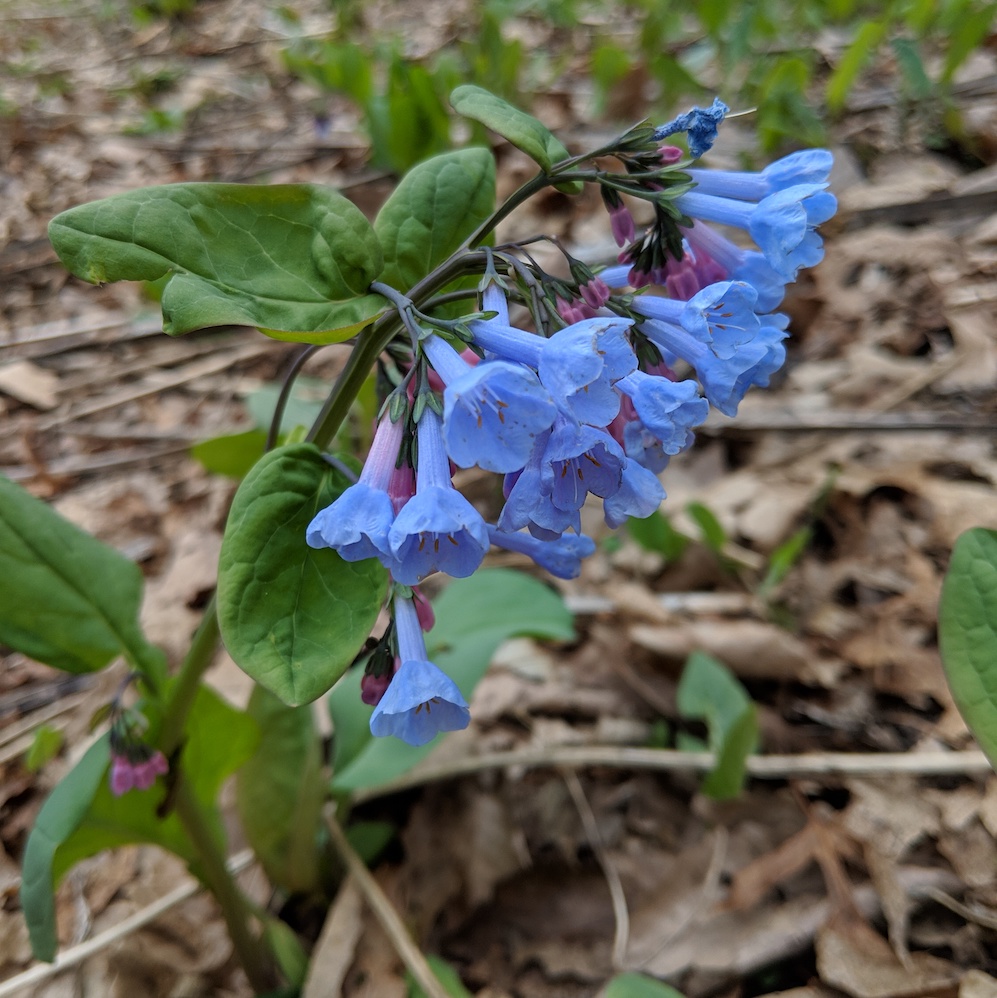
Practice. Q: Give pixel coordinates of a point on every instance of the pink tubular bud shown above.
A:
(669, 155)
(423, 609)
(595, 292)
(372, 688)
(122, 775)
(401, 486)
(621, 223)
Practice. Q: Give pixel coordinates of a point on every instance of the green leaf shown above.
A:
(639, 986)
(66, 599)
(59, 817)
(437, 205)
(656, 533)
(291, 616)
(447, 976)
(967, 633)
(301, 409)
(709, 691)
(233, 454)
(520, 128)
(784, 557)
(473, 617)
(45, 746)
(285, 945)
(280, 792)
(370, 838)
(220, 739)
(866, 41)
(295, 260)
(714, 535)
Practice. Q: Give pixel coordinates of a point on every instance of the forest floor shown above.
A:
(878, 437)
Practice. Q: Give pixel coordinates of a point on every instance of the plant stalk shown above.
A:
(253, 957)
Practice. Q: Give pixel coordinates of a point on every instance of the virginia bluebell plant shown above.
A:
(575, 388)
(591, 398)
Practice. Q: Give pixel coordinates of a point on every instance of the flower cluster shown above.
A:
(594, 402)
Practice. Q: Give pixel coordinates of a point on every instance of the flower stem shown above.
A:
(212, 870)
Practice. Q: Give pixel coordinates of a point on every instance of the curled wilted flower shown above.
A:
(700, 124)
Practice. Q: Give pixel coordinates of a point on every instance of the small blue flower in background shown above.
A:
(437, 530)
(700, 124)
(357, 523)
(666, 409)
(492, 411)
(421, 700)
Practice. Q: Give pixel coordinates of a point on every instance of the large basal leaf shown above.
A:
(59, 817)
(437, 205)
(280, 793)
(473, 617)
(67, 599)
(520, 128)
(639, 986)
(967, 633)
(291, 616)
(295, 260)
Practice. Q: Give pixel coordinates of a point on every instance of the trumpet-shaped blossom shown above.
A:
(667, 409)
(357, 523)
(700, 124)
(492, 412)
(580, 459)
(578, 365)
(561, 556)
(437, 530)
(782, 224)
(721, 315)
(527, 505)
(809, 166)
(136, 773)
(421, 700)
(639, 495)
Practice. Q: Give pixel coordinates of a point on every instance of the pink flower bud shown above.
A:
(372, 688)
(669, 155)
(423, 610)
(621, 223)
(595, 292)
(122, 775)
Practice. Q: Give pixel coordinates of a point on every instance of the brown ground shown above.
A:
(879, 435)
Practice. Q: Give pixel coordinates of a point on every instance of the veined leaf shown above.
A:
(437, 205)
(295, 260)
(291, 616)
(67, 599)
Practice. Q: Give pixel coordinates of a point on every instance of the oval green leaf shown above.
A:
(291, 616)
(967, 633)
(523, 130)
(437, 205)
(67, 599)
(295, 260)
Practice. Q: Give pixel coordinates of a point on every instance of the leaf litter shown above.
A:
(878, 439)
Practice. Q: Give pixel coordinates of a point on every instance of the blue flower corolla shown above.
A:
(639, 495)
(721, 314)
(767, 356)
(528, 506)
(724, 380)
(437, 530)
(561, 557)
(700, 124)
(782, 224)
(667, 409)
(642, 446)
(580, 459)
(357, 523)
(809, 166)
(578, 365)
(492, 411)
(421, 700)
(740, 264)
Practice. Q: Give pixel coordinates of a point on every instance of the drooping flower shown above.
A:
(580, 459)
(639, 495)
(666, 409)
(356, 524)
(437, 530)
(782, 224)
(700, 124)
(808, 166)
(492, 412)
(136, 769)
(561, 556)
(421, 700)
